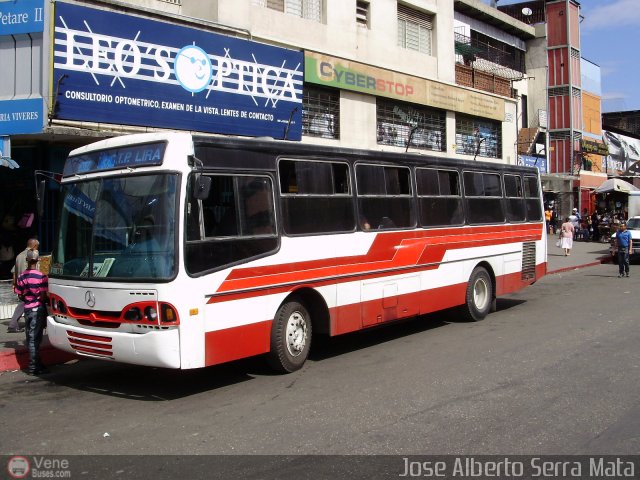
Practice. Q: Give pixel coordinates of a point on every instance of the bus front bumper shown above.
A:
(154, 348)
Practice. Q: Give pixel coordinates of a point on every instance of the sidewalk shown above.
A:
(14, 356)
(13, 352)
(583, 254)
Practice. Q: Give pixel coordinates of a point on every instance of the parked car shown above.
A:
(633, 225)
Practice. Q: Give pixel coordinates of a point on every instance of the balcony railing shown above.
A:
(506, 62)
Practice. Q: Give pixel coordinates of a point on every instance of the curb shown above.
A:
(18, 358)
(601, 260)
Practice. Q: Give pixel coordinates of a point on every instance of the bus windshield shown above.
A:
(118, 228)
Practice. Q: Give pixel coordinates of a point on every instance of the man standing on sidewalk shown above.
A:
(625, 244)
(33, 288)
(19, 267)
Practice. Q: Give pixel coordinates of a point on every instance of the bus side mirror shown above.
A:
(201, 187)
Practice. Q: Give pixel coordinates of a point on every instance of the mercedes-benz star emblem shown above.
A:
(90, 299)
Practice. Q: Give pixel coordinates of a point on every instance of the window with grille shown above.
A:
(403, 124)
(321, 112)
(362, 13)
(309, 9)
(495, 51)
(415, 29)
(478, 137)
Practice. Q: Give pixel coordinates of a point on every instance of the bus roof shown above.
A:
(191, 142)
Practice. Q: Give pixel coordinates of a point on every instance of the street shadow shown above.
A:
(507, 303)
(149, 384)
(454, 316)
(324, 347)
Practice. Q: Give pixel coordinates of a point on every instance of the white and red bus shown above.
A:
(183, 251)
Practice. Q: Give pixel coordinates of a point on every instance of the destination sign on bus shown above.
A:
(116, 158)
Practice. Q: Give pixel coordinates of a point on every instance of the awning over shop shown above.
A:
(615, 185)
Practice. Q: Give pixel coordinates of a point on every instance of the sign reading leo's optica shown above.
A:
(115, 68)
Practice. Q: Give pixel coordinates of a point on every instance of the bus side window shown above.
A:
(483, 196)
(315, 197)
(532, 198)
(193, 220)
(439, 197)
(257, 206)
(514, 198)
(238, 221)
(384, 196)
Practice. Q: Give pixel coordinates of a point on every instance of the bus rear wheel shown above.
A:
(479, 298)
(290, 337)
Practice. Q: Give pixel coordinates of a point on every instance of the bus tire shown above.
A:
(479, 297)
(290, 337)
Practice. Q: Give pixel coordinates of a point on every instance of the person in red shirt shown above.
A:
(32, 288)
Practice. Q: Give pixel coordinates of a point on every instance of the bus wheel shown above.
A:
(290, 337)
(479, 296)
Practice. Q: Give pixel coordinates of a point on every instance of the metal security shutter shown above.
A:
(399, 122)
(477, 136)
(321, 112)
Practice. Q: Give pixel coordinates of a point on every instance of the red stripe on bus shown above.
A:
(393, 252)
(82, 343)
(237, 342)
(254, 339)
(383, 247)
(96, 338)
(92, 351)
(273, 290)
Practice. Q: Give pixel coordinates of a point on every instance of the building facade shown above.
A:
(434, 77)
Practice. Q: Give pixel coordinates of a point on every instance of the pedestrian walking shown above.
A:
(33, 289)
(19, 267)
(575, 219)
(567, 231)
(547, 218)
(625, 244)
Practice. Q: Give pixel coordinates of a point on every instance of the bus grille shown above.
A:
(528, 260)
(92, 345)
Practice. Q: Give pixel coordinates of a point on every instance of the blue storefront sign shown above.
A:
(21, 16)
(530, 161)
(21, 116)
(120, 69)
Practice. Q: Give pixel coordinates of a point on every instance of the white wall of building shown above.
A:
(339, 35)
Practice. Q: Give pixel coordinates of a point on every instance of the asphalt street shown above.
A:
(555, 370)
